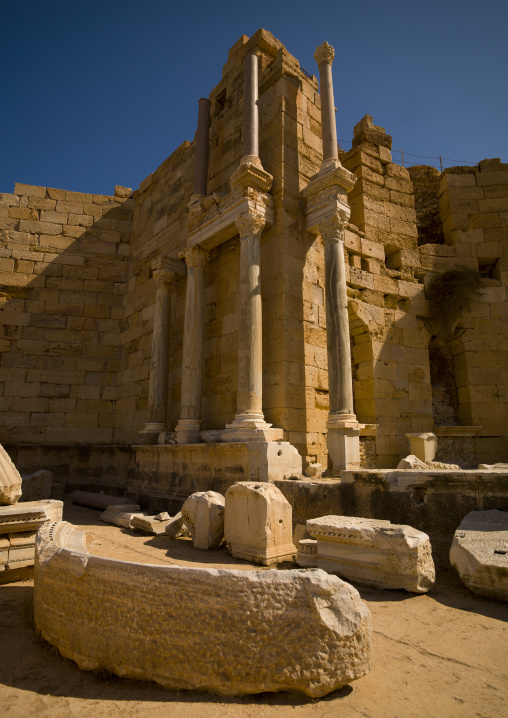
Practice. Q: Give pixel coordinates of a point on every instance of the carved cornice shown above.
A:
(194, 256)
(164, 276)
(333, 177)
(173, 265)
(332, 229)
(324, 53)
(249, 224)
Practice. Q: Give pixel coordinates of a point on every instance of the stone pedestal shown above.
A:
(258, 523)
(189, 425)
(423, 446)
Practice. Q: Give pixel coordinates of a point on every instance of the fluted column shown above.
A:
(189, 425)
(201, 153)
(324, 57)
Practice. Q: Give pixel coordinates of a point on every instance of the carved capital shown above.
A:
(333, 228)
(248, 225)
(324, 53)
(164, 276)
(194, 256)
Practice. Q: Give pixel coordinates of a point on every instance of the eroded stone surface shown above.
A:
(479, 552)
(37, 486)
(203, 513)
(10, 480)
(258, 523)
(285, 630)
(18, 527)
(148, 524)
(374, 552)
(176, 526)
(120, 514)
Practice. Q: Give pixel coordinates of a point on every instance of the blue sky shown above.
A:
(99, 93)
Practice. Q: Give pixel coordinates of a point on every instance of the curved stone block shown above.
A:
(228, 632)
(374, 552)
(479, 552)
(203, 513)
(10, 480)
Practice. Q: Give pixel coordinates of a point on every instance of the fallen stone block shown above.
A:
(307, 553)
(479, 552)
(285, 630)
(37, 487)
(374, 552)
(97, 501)
(10, 480)
(120, 514)
(19, 524)
(176, 526)
(148, 524)
(203, 513)
(258, 523)
(413, 463)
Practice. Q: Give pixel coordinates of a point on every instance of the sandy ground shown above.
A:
(440, 655)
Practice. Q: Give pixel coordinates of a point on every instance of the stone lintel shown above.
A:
(218, 224)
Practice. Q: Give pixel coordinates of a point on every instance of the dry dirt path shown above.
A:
(442, 655)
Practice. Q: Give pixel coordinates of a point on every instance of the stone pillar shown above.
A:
(343, 438)
(250, 106)
(249, 423)
(189, 425)
(201, 157)
(324, 57)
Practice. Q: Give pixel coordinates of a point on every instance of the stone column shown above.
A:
(324, 57)
(343, 429)
(201, 157)
(249, 423)
(250, 106)
(189, 425)
(158, 386)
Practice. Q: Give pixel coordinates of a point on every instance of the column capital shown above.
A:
(194, 256)
(332, 228)
(324, 53)
(249, 224)
(164, 276)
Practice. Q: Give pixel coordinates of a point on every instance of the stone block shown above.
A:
(374, 552)
(120, 514)
(203, 513)
(10, 480)
(258, 523)
(479, 552)
(307, 553)
(148, 524)
(286, 630)
(29, 516)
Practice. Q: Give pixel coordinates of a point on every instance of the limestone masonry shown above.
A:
(263, 301)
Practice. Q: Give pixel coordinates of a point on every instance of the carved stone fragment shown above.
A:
(10, 480)
(374, 552)
(203, 512)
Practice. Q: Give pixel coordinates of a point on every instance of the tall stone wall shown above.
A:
(63, 261)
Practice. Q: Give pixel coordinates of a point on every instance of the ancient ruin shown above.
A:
(268, 333)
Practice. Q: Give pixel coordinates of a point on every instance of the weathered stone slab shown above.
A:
(148, 524)
(258, 523)
(374, 552)
(203, 513)
(97, 501)
(479, 552)
(120, 514)
(176, 526)
(37, 487)
(286, 630)
(10, 480)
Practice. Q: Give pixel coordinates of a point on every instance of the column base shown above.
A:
(251, 427)
(149, 434)
(343, 441)
(188, 431)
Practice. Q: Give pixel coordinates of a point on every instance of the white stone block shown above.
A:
(479, 552)
(258, 523)
(374, 552)
(203, 513)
